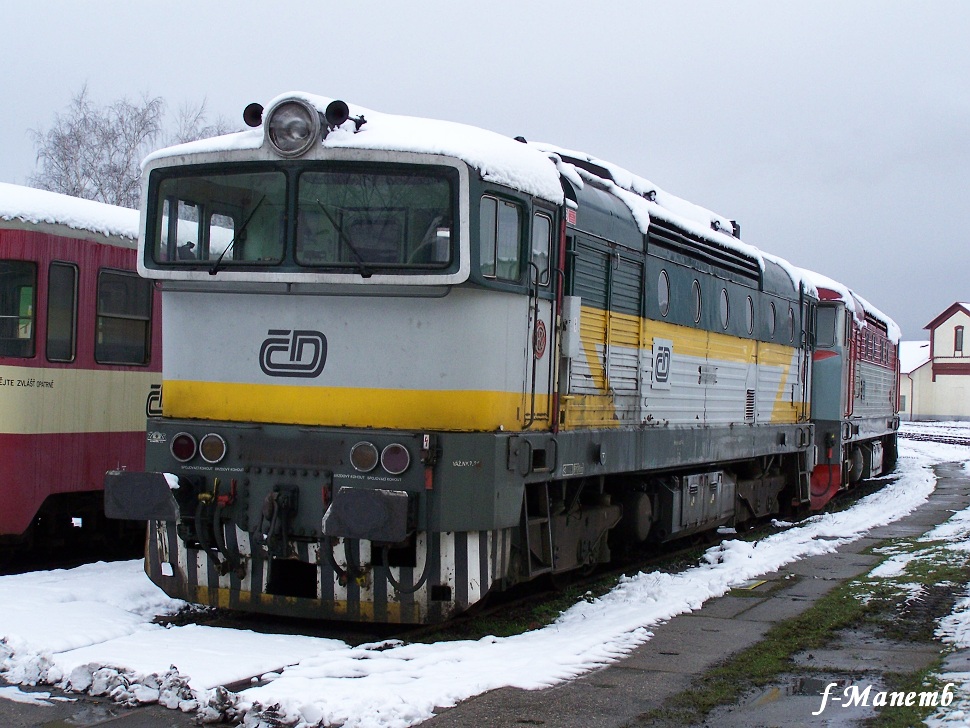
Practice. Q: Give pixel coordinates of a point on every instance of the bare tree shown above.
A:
(94, 151)
(192, 123)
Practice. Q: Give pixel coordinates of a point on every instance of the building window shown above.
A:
(902, 403)
(958, 341)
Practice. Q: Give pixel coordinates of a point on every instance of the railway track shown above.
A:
(936, 437)
(520, 608)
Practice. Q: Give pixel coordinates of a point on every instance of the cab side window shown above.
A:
(500, 239)
(541, 244)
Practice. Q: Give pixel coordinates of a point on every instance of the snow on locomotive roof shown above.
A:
(498, 158)
(33, 206)
(646, 200)
(532, 168)
(855, 303)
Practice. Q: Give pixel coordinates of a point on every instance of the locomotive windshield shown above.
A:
(347, 218)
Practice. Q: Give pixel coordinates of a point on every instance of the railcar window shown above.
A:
(123, 318)
(791, 325)
(61, 311)
(696, 301)
(374, 219)
(499, 239)
(18, 286)
(224, 218)
(749, 315)
(663, 293)
(725, 309)
(772, 319)
(541, 245)
(827, 319)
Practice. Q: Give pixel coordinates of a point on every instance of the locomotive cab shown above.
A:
(854, 400)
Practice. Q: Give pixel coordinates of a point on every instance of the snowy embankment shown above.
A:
(90, 630)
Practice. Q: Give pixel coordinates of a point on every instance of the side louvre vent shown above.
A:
(749, 406)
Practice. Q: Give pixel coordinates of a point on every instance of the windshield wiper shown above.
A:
(215, 267)
(362, 265)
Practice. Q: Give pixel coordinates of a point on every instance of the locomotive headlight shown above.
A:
(212, 448)
(395, 459)
(292, 127)
(183, 447)
(364, 457)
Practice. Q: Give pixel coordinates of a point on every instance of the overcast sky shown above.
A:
(836, 133)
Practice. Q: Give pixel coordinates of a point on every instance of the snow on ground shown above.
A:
(90, 630)
(15, 694)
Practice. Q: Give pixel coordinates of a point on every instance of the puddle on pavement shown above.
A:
(793, 699)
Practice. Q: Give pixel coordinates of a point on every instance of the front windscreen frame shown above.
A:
(443, 268)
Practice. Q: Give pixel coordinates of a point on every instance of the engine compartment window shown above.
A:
(724, 309)
(695, 301)
(663, 293)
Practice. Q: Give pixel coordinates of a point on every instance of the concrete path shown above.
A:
(687, 645)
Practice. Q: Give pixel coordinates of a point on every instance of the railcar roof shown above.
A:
(534, 168)
(30, 206)
(859, 306)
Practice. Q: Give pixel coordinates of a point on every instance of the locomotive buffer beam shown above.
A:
(139, 497)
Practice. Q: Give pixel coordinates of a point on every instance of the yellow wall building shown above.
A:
(935, 375)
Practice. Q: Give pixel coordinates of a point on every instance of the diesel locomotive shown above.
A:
(410, 362)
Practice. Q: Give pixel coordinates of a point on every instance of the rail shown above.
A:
(932, 437)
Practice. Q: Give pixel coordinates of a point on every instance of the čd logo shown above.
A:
(287, 353)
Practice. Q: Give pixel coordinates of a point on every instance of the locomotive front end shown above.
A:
(321, 353)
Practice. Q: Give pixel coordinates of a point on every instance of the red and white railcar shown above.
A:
(80, 360)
